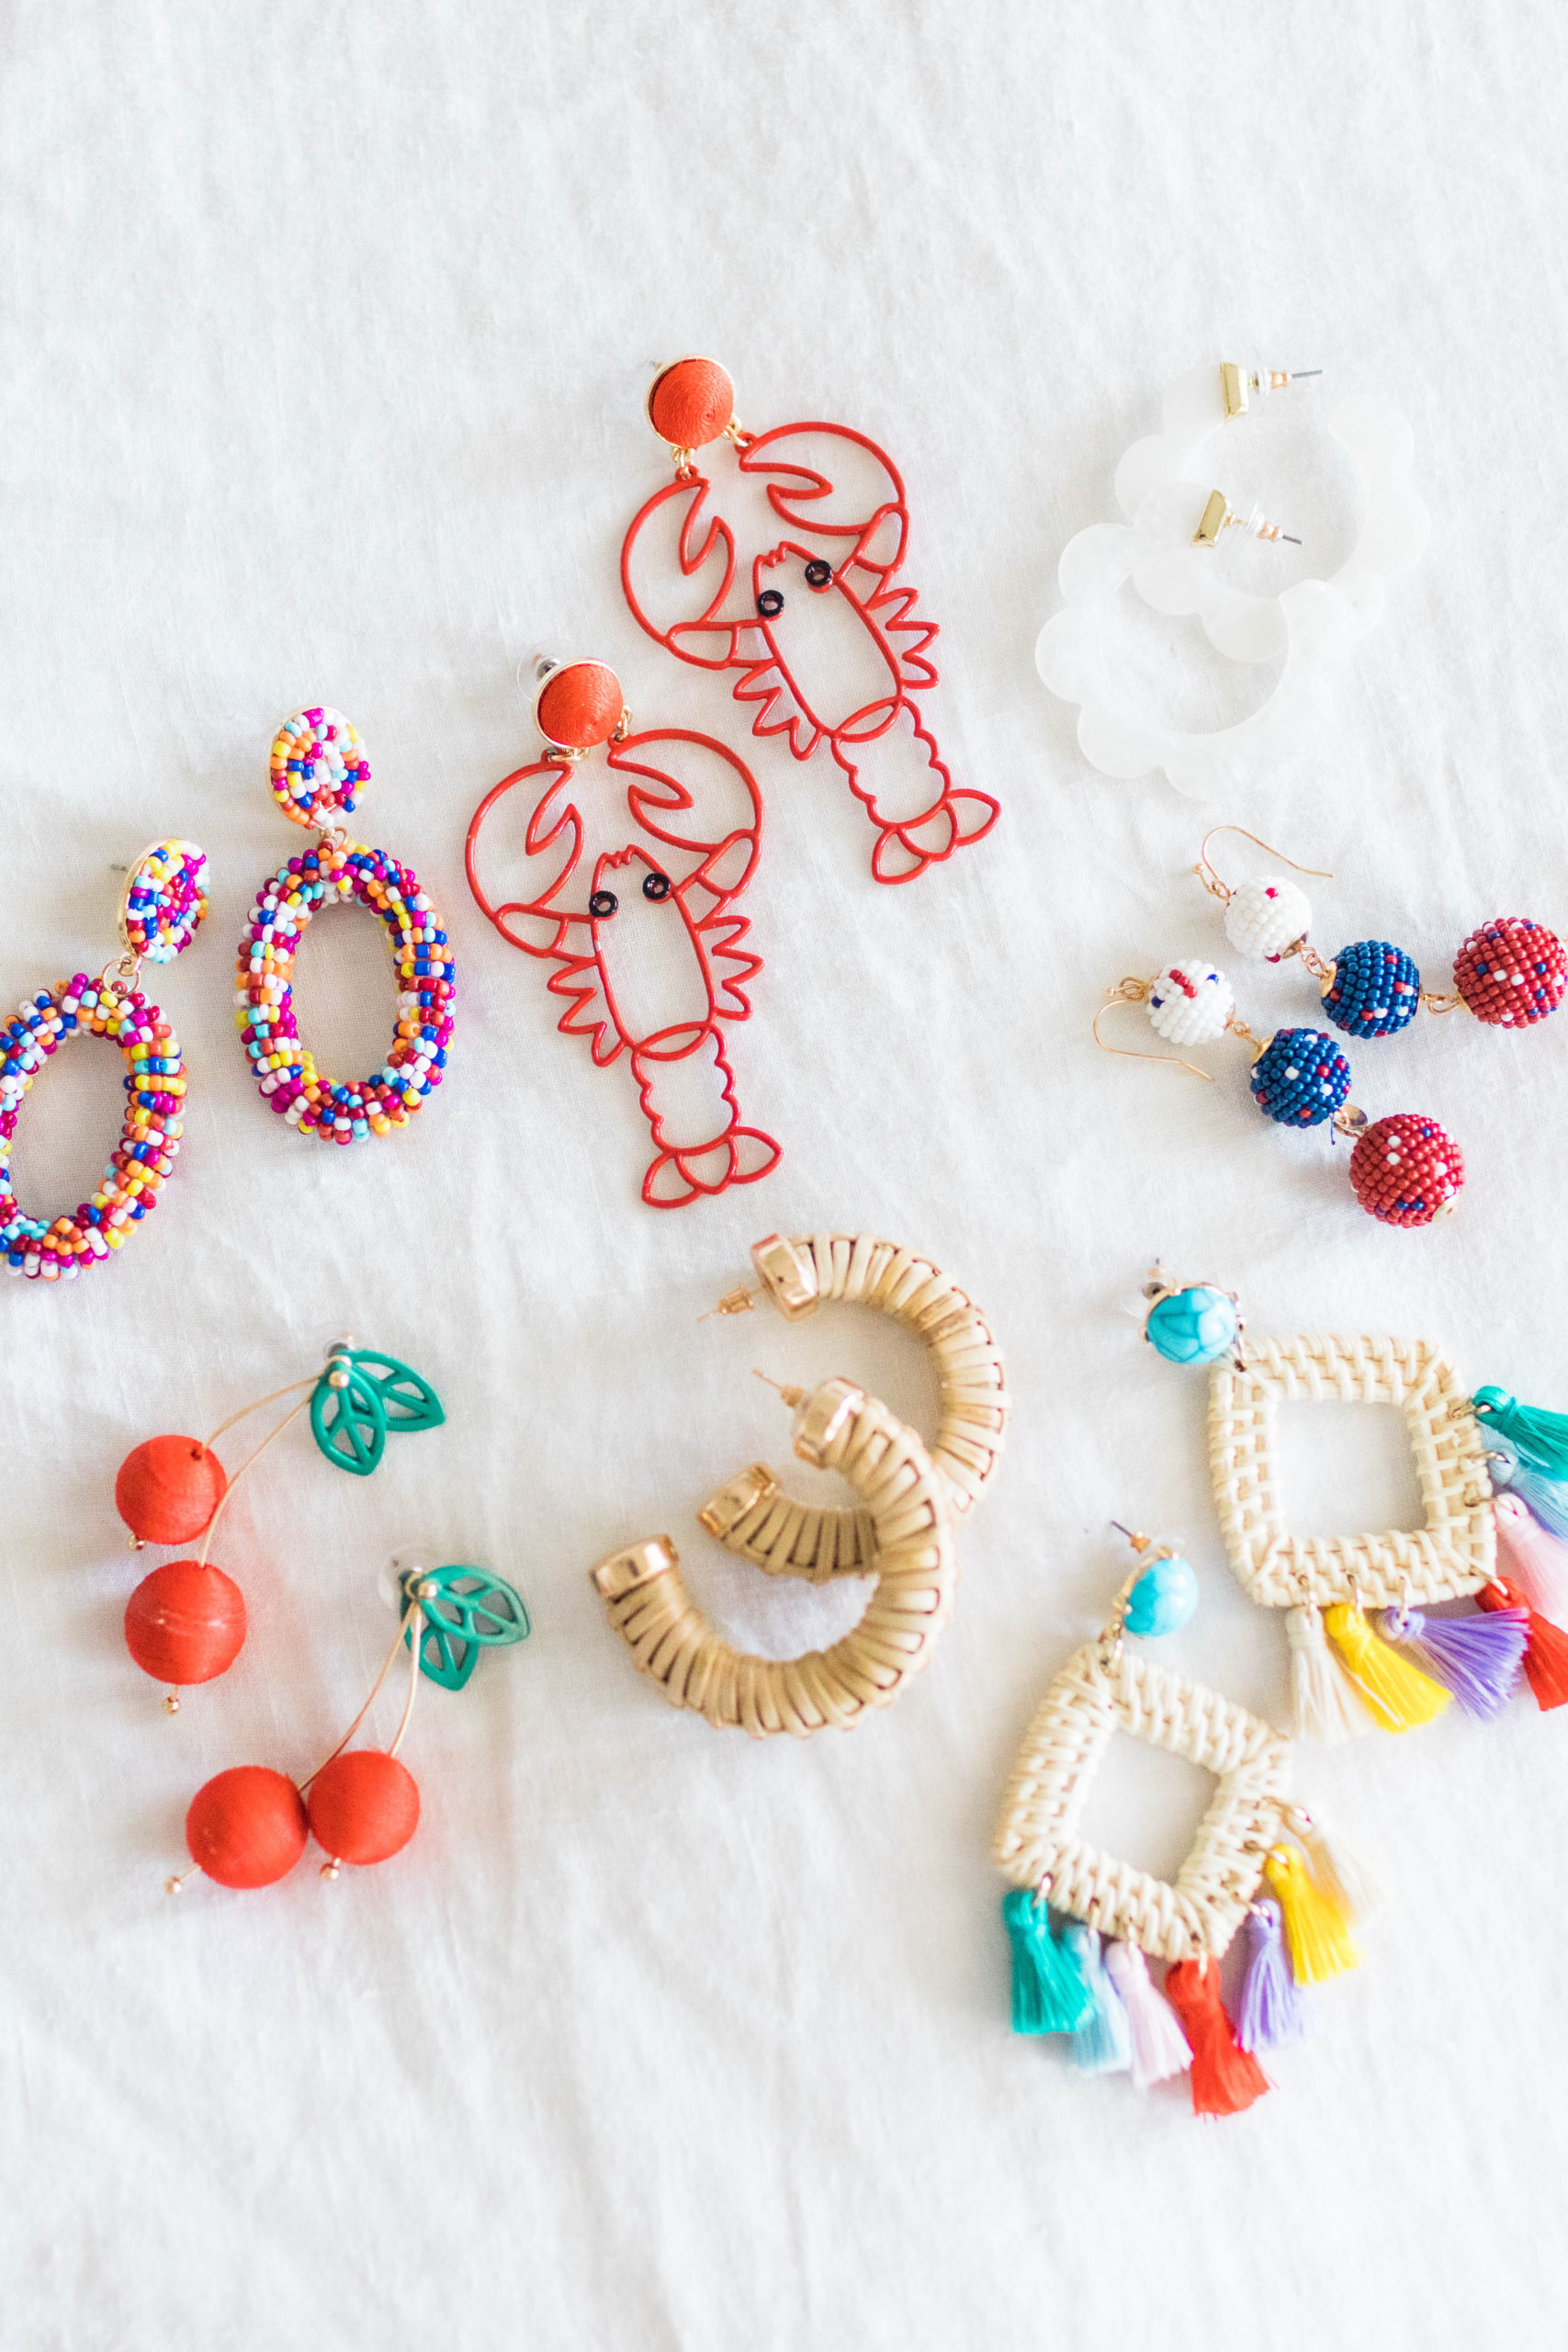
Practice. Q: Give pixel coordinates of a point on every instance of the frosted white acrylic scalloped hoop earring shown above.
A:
(1180, 576)
(1317, 625)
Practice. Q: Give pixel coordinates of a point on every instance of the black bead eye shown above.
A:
(770, 603)
(818, 574)
(656, 886)
(603, 903)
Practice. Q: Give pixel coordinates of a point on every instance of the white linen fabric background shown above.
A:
(324, 335)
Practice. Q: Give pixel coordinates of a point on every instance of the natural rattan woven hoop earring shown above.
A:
(837, 1427)
(788, 1538)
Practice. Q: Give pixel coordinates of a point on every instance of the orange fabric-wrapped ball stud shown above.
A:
(691, 403)
(578, 705)
(246, 1827)
(363, 1806)
(168, 1490)
(185, 1622)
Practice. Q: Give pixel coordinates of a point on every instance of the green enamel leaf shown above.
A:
(407, 1401)
(468, 1610)
(349, 1424)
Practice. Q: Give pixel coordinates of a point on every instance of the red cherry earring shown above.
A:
(185, 1623)
(248, 1827)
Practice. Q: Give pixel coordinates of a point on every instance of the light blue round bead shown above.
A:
(1164, 1599)
(1192, 1326)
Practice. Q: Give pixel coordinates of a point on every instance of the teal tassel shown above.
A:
(1539, 1439)
(1049, 1994)
(1103, 2042)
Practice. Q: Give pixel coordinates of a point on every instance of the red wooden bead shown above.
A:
(246, 1827)
(579, 704)
(1512, 971)
(363, 1806)
(185, 1623)
(1406, 1169)
(168, 1490)
(691, 403)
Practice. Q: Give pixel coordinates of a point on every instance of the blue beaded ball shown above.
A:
(1164, 1599)
(1301, 1077)
(1193, 1326)
(1376, 990)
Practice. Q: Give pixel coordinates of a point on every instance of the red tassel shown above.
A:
(1546, 1658)
(1226, 2078)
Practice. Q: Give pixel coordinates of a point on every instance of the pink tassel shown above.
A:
(1159, 2046)
(1532, 1558)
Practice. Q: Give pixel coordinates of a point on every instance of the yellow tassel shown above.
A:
(1398, 1695)
(1316, 1930)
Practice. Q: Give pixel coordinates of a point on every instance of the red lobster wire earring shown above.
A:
(164, 902)
(647, 949)
(319, 765)
(823, 638)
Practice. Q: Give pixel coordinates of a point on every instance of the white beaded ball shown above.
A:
(1265, 918)
(1191, 1003)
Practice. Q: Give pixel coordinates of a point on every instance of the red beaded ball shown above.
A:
(578, 705)
(168, 1490)
(691, 403)
(363, 1806)
(185, 1623)
(1406, 1169)
(246, 1827)
(1512, 971)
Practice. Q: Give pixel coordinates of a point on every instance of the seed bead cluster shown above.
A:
(1301, 1077)
(1190, 1003)
(288, 1075)
(1406, 1169)
(1375, 991)
(1512, 971)
(149, 1142)
(318, 765)
(1265, 919)
(165, 901)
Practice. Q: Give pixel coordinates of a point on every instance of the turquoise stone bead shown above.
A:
(1192, 1326)
(1164, 1599)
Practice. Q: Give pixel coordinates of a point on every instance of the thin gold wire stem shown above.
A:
(416, 1635)
(387, 1664)
(308, 1382)
(261, 1449)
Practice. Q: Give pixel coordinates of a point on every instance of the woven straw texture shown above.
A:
(1453, 1554)
(916, 1570)
(1036, 1836)
(790, 1538)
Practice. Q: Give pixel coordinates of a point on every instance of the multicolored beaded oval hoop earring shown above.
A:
(163, 905)
(319, 765)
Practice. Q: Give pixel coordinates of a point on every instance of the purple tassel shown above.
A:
(1272, 2010)
(1478, 1659)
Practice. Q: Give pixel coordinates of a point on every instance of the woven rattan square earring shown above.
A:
(819, 628)
(1503, 1550)
(1063, 1983)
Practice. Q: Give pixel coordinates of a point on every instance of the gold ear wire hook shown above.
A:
(1219, 889)
(1135, 992)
